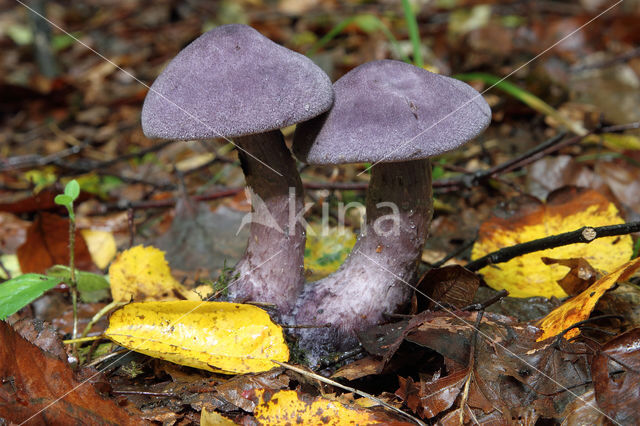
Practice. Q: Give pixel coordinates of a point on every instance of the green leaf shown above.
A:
(72, 189)
(18, 292)
(63, 200)
(92, 287)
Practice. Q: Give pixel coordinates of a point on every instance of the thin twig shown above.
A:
(585, 234)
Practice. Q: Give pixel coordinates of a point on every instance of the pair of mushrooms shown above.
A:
(232, 82)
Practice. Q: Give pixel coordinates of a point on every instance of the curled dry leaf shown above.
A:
(565, 210)
(580, 276)
(223, 337)
(579, 308)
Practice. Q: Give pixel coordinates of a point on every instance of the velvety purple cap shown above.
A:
(392, 111)
(233, 81)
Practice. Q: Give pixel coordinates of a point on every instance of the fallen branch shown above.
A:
(585, 234)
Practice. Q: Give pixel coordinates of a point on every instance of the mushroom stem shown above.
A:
(272, 268)
(373, 279)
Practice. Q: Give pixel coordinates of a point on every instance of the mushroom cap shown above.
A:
(233, 81)
(392, 111)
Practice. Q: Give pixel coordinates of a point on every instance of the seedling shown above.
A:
(71, 192)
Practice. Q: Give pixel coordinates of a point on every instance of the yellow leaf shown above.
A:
(223, 337)
(11, 264)
(213, 418)
(288, 407)
(326, 249)
(579, 308)
(564, 211)
(101, 245)
(142, 273)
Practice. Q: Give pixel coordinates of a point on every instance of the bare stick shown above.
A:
(585, 234)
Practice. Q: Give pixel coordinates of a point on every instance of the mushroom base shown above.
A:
(375, 279)
(272, 268)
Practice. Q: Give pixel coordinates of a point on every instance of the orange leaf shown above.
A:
(565, 210)
(47, 244)
(579, 308)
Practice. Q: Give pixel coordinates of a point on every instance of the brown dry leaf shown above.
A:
(513, 376)
(430, 399)
(13, 232)
(623, 180)
(452, 286)
(580, 276)
(47, 244)
(616, 378)
(291, 407)
(565, 210)
(579, 308)
(361, 368)
(35, 380)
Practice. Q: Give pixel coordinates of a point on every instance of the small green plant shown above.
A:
(71, 193)
(221, 285)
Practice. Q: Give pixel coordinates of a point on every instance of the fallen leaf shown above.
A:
(580, 276)
(13, 232)
(291, 407)
(579, 308)
(565, 210)
(616, 377)
(142, 273)
(101, 245)
(39, 387)
(201, 238)
(360, 368)
(47, 244)
(213, 418)
(223, 337)
(326, 249)
(452, 286)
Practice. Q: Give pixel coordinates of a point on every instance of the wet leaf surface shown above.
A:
(35, 380)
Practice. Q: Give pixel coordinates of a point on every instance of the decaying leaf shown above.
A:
(142, 273)
(565, 210)
(291, 407)
(101, 245)
(326, 249)
(580, 276)
(452, 286)
(212, 418)
(579, 308)
(616, 377)
(223, 337)
(47, 244)
(34, 379)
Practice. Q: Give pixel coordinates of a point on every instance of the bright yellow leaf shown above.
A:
(527, 275)
(579, 308)
(326, 249)
(101, 245)
(142, 273)
(289, 407)
(213, 418)
(228, 338)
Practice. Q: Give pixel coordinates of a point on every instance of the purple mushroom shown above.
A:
(396, 116)
(232, 82)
